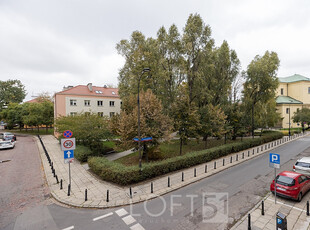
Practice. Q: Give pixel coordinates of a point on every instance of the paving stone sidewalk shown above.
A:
(119, 195)
(295, 212)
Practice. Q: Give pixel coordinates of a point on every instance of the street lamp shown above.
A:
(289, 118)
(139, 132)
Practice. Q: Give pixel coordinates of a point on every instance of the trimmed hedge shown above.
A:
(125, 175)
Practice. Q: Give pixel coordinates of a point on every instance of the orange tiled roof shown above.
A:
(35, 100)
(96, 91)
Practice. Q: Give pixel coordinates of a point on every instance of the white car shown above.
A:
(302, 166)
(7, 144)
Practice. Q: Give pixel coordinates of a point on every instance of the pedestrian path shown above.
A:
(295, 212)
(101, 194)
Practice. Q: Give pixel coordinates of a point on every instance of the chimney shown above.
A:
(67, 87)
(90, 87)
(105, 86)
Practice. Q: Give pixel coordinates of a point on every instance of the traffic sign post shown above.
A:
(274, 162)
(68, 145)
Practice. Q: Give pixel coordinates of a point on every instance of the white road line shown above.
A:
(121, 212)
(68, 228)
(137, 227)
(278, 202)
(104, 216)
(129, 220)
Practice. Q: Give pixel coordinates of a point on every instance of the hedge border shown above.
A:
(126, 175)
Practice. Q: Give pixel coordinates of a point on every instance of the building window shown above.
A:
(287, 110)
(73, 102)
(73, 113)
(111, 103)
(282, 91)
(100, 114)
(87, 102)
(112, 114)
(100, 103)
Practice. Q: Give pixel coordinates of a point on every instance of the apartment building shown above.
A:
(293, 93)
(103, 101)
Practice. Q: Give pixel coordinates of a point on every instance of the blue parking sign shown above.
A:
(274, 160)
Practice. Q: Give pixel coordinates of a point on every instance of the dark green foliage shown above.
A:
(82, 153)
(124, 175)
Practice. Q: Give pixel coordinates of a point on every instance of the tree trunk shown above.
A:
(46, 129)
(181, 142)
(206, 141)
(252, 120)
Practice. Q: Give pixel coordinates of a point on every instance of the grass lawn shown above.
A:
(172, 149)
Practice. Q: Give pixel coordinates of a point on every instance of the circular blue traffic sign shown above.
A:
(67, 134)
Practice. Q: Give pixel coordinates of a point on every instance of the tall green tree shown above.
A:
(261, 83)
(212, 120)
(12, 115)
(11, 91)
(186, 118)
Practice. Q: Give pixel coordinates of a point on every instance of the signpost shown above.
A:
(68, 145)
(274, 162)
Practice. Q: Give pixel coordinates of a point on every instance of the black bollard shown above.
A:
(262, 148)
(60, 184)
(108, 195)
(85, 194)
(214, 164)
(195, 172)
(249, 221)
(308, 208)
(182, 176)
(168, 181)
(57, 179)
(223, 161)
(69, 188)
(130, 193)
(253, 151)
(206, 168)
(248, 153)
(243, 155)
(263, 208)
(237, 157)
(151, 187)
(231, 159)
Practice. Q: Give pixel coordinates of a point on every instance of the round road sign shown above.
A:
(67, 134)
(68, 144)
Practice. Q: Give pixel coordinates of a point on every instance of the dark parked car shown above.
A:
(291, 185)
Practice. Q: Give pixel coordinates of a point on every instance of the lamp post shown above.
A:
(139, 132)
(289, 119)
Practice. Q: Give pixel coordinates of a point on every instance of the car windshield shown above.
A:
(303, 164)
(284, 180)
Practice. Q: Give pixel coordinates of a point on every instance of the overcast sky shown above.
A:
(51, 44)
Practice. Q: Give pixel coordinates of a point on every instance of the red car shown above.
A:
(291, 185)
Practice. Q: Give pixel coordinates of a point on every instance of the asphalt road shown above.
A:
(231, 192)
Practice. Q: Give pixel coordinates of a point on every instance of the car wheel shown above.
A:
(299, 197)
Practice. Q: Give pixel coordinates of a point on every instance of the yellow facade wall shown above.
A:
(300, 91)
(281, 108)
(284, 87)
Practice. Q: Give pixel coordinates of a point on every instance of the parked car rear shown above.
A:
(302, 166)
(291, 185)
(7, 144)
(7, 135)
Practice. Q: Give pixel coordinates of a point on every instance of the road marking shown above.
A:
(121, 212)
(68, 228)
(137, 227)
(278, 202)
(129, 220)
(104, 216)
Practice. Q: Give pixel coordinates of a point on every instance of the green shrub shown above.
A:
(125, 175)
(82, 153)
